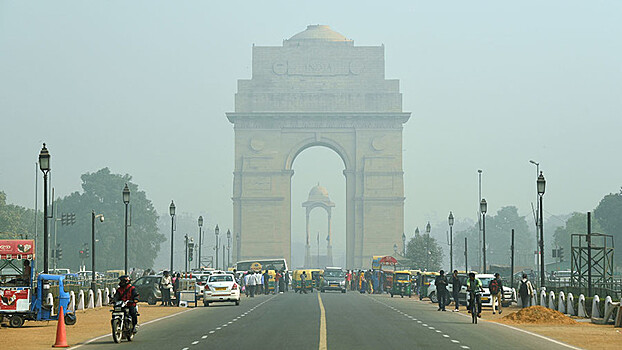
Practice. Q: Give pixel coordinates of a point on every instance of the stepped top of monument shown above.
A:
(317, 33)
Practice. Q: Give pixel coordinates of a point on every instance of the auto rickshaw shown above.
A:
(426, 277)
(313, 276)
(18, 301)
(401, 284)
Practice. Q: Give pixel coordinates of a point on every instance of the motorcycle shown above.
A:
(121, 322)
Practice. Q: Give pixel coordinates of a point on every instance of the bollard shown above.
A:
(608, 308)
(98, 300)
(581, 312)
(570, 305)
(91, 303)
(80, 305)
(49, 300)
(551, 300)
(561, 305)
(543, 297)
(533, 300)
(514, 297)
(106, 296)
(72, 302)
(595, 307)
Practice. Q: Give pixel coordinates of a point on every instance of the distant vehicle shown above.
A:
(262, 265)
(60, 271)
(221, 288)
(334, 279)
(148, 288)
(561, 276)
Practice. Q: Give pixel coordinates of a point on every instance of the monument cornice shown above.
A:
(374, 120)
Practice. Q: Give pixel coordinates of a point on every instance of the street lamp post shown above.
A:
(537, 251)
(200, 241)
(483, 207)
(228, 247)
(216, 232)
(126, 200)
(93, 273)
(541, 183)
(451, 241)
(171, 211)
(395, 248)
(186, 255)
(44, 165)
(428, 228)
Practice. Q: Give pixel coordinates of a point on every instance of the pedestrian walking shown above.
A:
(266, 282)
(258, 283)
(525, 291)
(303, 282)
(441, 290)
(251, 283)
(176, 288)
(277, 282)
(165, 287)
(496, 292)
(287, 280)
(455, 290)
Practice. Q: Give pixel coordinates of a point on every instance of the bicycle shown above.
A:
(475, 298)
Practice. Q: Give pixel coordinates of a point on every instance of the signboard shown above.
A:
(14, 298)
(17, 249)
(256, 266)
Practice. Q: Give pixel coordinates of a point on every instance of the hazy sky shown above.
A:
(143, 86)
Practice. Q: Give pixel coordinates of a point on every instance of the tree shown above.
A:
(16, 221)
(498, 239)
(424, 252)
(608, 214)
(576, 224)
(102, 193)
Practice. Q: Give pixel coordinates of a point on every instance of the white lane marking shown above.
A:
(218, 328)
(143, 324)
(418, 321)
(423, 324)
(465, 347)
(431, 328)
(230, 322)
(195, 342)
(203, 337)
(445, 335)
(454, 341)
(184, 349)
(211, 332)
(437, 331)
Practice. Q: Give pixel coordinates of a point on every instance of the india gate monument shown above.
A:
(318, 89)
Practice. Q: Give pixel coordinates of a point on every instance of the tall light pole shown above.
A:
(44, 165)
(200, 241)
(228, 247)
(171, 211)
(541, 183)
(101, 219)
(479, 221)
(537, 214)
(451, 241)
(483, 207)
(216, 232)
(428, 228)
(237, 246)
(126, 200)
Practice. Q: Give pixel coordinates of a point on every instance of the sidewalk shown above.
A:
(91, 323)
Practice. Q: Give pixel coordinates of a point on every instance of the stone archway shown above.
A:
(318, 89)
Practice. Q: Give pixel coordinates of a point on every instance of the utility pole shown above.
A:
(512, 259)
(466, 256)
(589, 254)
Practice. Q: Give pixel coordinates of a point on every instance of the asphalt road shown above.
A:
(351, 321)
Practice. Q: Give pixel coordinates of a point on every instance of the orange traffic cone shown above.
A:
(61, 337)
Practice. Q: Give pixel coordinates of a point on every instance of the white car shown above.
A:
(486, 299)
(221, 288)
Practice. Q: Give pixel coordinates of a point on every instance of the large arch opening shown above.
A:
(312, 165)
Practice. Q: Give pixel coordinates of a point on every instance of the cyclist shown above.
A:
(474, 285)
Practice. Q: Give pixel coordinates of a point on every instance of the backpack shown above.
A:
(494, 287)
(522, 290)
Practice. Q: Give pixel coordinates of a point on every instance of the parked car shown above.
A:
(201, 278)
(148, 288)
(462, 295)
(221, 288)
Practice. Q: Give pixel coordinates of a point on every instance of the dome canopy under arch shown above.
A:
(318, 32)
(318, 195)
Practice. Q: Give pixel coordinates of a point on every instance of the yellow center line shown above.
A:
(322, 324)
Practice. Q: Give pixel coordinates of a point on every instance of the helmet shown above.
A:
(124, 280)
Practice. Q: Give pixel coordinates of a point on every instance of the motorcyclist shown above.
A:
(475, 285)
(127, 292)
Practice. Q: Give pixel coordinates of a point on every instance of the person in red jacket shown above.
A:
(127, 292)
